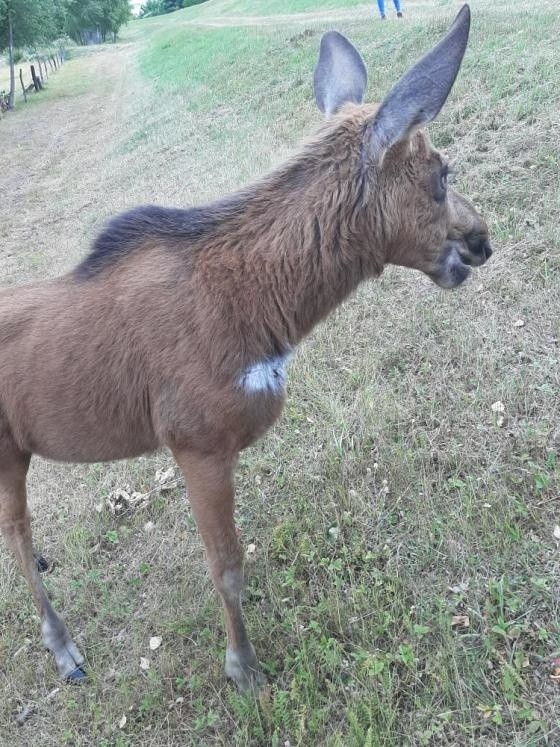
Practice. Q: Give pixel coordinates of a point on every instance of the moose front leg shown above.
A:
(209, 481)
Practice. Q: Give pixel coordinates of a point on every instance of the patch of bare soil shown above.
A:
(53, 163)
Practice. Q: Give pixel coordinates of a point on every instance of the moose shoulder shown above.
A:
(178, 327)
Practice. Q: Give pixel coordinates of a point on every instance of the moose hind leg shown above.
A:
(16, 529)
(209, 481)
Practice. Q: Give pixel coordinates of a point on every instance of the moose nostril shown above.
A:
(479, 246)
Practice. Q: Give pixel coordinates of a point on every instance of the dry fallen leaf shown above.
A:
(155, 642)
(459, 588)
(122, 722)
(251, 548)
(144, 663)
(556, 532)
(519, 323)
(124, 499)
(334, 533)
(164, 476)
(460, 621)
(25, 713)
(499, 409)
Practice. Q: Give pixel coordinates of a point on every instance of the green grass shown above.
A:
(270, 7)
(60, 83)
(390, 504)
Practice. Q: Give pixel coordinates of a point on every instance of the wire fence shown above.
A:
(34, 75)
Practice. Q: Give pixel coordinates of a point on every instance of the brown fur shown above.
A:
(148, 351)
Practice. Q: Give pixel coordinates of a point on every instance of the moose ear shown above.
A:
(340, 74)
(419, 95)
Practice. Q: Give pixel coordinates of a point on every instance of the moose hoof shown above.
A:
(41, 563)
(243, 668)
(69, 661)
(77, 676)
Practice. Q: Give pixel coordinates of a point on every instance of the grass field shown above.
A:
(403, 587)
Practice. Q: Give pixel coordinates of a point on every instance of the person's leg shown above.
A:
(398, 8)
(381, 6)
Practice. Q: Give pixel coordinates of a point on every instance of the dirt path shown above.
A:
(56, 157)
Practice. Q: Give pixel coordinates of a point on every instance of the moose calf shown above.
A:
(178, 327)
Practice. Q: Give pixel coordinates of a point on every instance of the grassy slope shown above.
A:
(389, 499)
(266, 7)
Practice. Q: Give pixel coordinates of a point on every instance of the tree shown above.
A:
(106, 16)
(26, 23)
(82, 16)
(170, 5)
(115, 13)
(151, 8)
(159, 7)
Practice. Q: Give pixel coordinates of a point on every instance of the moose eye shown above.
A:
(440, 184)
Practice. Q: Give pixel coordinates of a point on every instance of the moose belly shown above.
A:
(70, 415)
(72, 434)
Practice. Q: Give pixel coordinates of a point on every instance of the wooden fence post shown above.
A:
(22, 85)
(54, 60)
(45, 66)
(40, 69)
(50, 63)
(36, 81)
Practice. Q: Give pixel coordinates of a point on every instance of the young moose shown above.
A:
(178, 327)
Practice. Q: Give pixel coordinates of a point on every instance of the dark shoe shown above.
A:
(399, 14)
(383, 18)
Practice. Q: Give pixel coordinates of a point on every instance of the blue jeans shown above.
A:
(381, 6)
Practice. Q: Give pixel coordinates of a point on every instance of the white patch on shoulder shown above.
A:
(267, 376)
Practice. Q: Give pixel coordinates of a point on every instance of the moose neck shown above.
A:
(314, 246)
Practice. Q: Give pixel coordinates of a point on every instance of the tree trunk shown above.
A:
(12, 96)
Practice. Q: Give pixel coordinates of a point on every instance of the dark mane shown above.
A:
(128, 231)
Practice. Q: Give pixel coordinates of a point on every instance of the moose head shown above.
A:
(419, 221)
